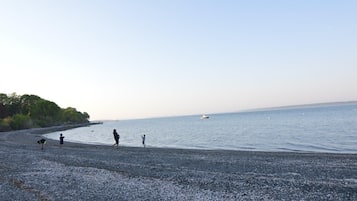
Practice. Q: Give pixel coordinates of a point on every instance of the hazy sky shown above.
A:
(147, 58)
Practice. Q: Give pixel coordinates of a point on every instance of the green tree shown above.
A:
(14, 104)
(26, 111)
(86, 116)
(45, 113)
(20, 121)
(72, 115)
(9, 105)
(5, 124)
(27, 101)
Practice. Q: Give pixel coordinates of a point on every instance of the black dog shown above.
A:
(41, 142)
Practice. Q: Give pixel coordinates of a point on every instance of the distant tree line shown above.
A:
(30, 111)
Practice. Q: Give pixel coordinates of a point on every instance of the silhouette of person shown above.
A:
(143, 140)
(61, 139)
(116, 138)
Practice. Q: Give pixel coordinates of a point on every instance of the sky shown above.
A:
(128, 59)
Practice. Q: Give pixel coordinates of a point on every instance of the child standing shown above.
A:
(61, 139)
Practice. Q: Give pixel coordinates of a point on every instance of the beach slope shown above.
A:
(88, 172)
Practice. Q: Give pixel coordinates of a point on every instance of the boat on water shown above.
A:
(204, 116)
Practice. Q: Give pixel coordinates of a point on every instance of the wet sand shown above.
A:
(88, 172)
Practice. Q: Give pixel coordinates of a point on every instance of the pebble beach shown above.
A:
(90, 172)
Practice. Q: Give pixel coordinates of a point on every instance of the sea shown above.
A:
(328, 128)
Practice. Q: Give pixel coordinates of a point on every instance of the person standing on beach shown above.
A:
(116, 138)
(143, 140)
(61, 139)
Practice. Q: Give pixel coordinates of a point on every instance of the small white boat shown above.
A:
(204, 116)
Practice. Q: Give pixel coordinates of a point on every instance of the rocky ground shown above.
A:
(87, 172)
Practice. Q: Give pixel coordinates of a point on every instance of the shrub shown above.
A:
(20, 121)
(5, 124)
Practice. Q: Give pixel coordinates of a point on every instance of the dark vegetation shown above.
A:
(31, 111)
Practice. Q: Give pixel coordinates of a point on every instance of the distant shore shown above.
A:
(289, 107)
(90, 172)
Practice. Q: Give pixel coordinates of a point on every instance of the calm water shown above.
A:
(324, 128)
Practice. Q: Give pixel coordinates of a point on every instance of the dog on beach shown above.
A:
(41, 142)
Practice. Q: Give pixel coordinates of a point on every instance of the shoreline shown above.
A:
(189, 148)
(101, 172)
